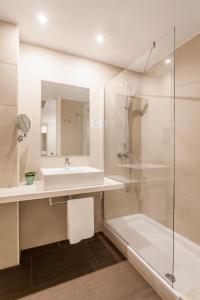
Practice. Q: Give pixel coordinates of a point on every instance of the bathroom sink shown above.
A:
(61, 178)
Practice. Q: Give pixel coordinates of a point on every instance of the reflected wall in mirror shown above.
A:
(64, 120)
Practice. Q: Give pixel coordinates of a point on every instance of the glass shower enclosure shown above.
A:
(139, 151)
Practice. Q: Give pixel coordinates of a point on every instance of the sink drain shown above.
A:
(170, 277)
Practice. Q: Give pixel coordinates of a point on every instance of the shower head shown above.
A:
(43, 103)
(145, 108)
(140, 112)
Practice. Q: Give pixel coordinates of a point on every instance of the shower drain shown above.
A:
(170, 277)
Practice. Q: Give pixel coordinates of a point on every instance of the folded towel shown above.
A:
(80, 219)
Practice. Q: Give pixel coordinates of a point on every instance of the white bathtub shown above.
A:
(148, 245)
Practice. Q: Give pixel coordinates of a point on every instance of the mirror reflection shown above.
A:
(64, 120)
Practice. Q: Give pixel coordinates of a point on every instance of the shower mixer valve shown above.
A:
(123, 155)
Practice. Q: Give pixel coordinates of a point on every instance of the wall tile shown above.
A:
(8, 84)
(36, 64)
(96, 157)
(67, 69)
(8, 42)
(42, 224)
(8, 235)
(8, 146)
(96, 137)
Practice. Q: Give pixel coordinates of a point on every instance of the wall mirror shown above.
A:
(64, 120)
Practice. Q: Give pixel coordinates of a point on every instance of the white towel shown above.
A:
(80, 219)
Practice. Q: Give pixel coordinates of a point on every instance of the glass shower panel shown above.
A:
(139, 151)
(117, 145)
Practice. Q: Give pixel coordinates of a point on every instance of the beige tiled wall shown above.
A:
(8, 103)
(157, 144)
(40, 223)
(187, 211)
(9, 42)
(36, 64)
(8, 136)
(156, 199)
(8, 148)
(9, 235)
(8, 84)
(158, 202)
(123, 202)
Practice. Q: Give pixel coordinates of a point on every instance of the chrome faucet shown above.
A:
(67, 163)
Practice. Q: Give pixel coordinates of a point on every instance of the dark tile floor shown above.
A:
(48, 265)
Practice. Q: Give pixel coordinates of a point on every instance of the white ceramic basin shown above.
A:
(63, 178)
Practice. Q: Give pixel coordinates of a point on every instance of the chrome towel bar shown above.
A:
(66, 198)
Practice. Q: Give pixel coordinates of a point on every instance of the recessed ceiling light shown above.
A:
(42, 19)
(100, 38)
(168, 61)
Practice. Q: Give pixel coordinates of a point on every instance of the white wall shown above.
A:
(36, 64)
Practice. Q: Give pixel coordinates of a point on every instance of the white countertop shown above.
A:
(25, 192)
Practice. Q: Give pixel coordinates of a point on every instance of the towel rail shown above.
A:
(66, 198)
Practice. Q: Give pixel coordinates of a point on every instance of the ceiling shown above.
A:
(129, 26)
